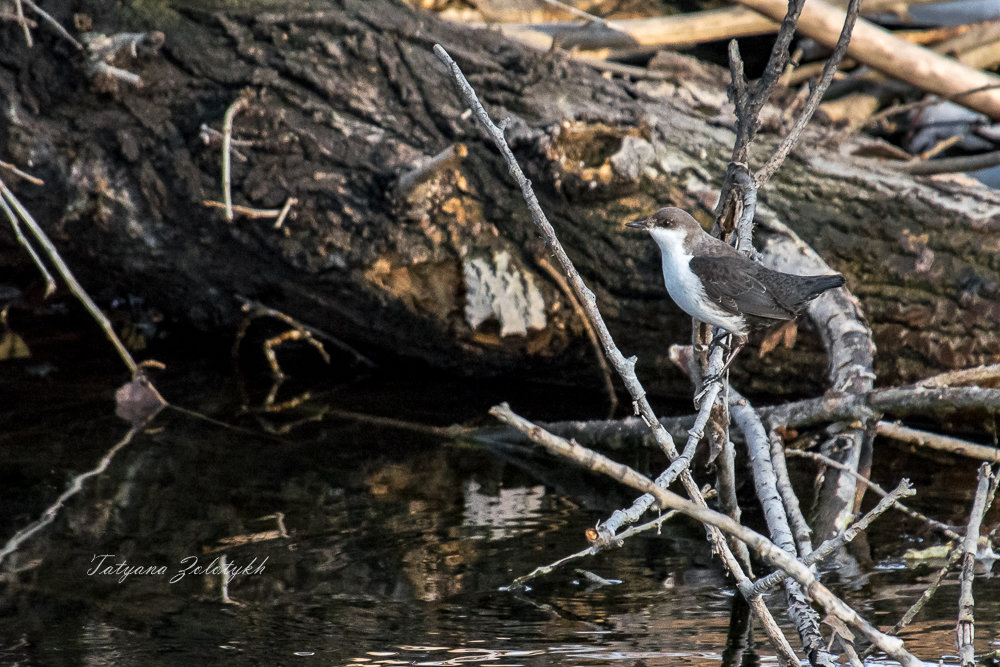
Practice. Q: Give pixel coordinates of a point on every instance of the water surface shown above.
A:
(365, 542)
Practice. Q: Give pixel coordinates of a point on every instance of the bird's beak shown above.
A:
(639, 224)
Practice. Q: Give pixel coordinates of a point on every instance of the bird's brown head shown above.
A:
(666, 218)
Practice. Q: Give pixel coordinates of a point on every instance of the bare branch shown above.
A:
(67, 275)
(949, 165)
(826, 460)
(963, 376)
(887, 53)
(939, 442)
(595, 342)
(227, 138)
(816, 95)
(55, 24)
(924, 598)
(23, 174)
(285, 210)
(805, 618)
(895, 400)
(763, 547)
(594, 549)
(21, 21)
(624, 367)
(965, 630)
(749, 101)
(828, 547)
(50, 282)
(606, 532)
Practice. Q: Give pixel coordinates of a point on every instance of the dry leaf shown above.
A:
(13, 346)
(784, 334)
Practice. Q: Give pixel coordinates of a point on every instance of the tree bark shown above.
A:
(347, 99)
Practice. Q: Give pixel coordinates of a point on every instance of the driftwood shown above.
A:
(883, 51)
(447, 273)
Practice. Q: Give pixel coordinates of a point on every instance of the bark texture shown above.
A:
(346, 98)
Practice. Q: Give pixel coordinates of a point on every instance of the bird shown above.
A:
(713, 282)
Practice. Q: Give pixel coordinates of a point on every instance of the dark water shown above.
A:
(368, 543)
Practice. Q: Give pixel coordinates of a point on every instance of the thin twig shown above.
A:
(749, 101)
(253, 213)
(255, 309)
(936, 441)
(609, 385)
(585, 15)
(21, 21)
(938, 147)
(826, 460)
(778, 59)
(23, 174)
(227, 138)
(50, 282)
(631, 71)
(746, 127)
(55, 24)
(289, 203)
(107, 69)
(607, 531)
(903, 489)
(897, 109)
(625, 367)
(953, 555)
(949, 165)
(592, 550)
(67, 275)
(840, 50)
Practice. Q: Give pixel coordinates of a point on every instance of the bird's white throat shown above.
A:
(685, 287)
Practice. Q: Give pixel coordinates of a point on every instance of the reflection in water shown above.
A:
(507, 512)
(512, 657)
(381, 545)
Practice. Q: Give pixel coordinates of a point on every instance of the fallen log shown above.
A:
(437, 263)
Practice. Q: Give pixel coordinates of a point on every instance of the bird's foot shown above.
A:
(701, 394)
(731, 354)
(719, 340)
(706, 384)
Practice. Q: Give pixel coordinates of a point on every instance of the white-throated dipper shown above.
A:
(711, 281)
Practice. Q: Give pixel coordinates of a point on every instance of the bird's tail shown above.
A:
(819, 284)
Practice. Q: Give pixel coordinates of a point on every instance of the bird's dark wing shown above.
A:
(734, 286)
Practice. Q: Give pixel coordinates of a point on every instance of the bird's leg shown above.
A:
(740, 342)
